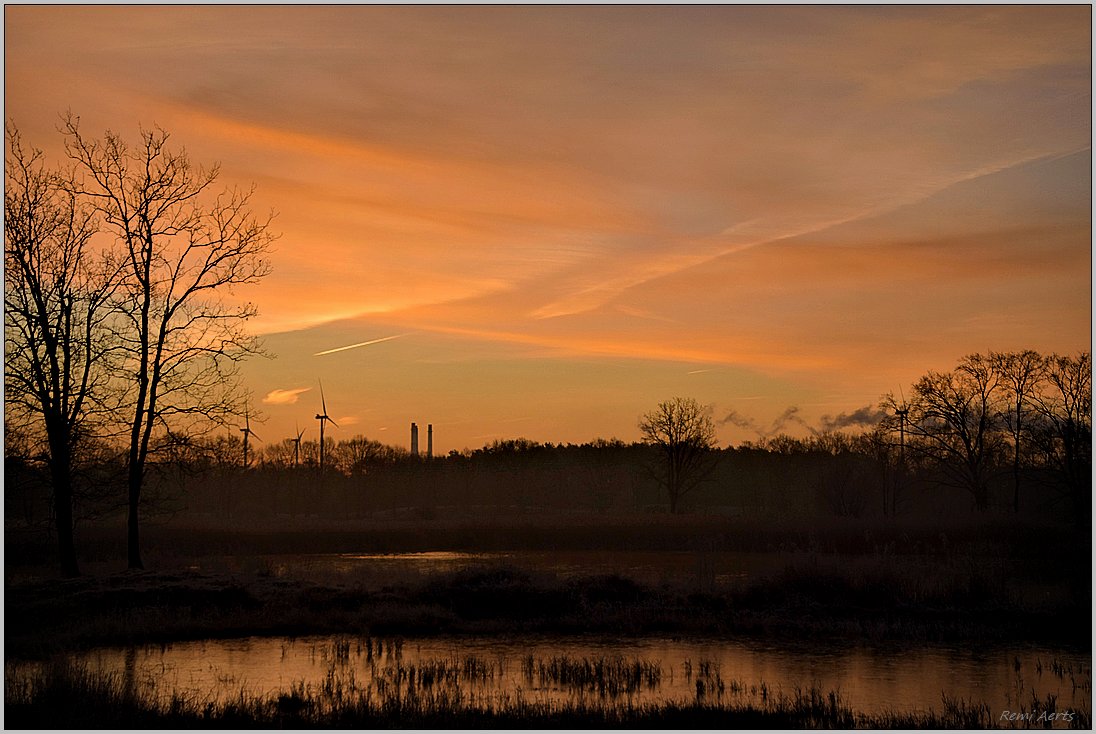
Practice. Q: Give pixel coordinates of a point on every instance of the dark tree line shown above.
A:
(118, 262)
(891, 469)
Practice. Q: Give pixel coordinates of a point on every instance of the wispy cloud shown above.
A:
(861, 417)
(789, 416)
(359, 344)
(735, 418)
(616, 275)
(866, 416)
(284, 397)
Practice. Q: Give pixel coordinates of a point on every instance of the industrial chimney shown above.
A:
(414, 439)
(429, 440)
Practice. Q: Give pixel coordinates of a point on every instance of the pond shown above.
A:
(870, 680)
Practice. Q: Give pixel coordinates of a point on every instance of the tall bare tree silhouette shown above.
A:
(182, 245)
(954, 422)
(1065, 407)
(56, 305)
(684, 433)
(1022, 374)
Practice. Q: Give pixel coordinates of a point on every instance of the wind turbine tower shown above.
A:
(323, 418)
(297, 448)
(902, 413)
(246, 430)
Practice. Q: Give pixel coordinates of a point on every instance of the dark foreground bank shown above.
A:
(989, 581)
(866, 603)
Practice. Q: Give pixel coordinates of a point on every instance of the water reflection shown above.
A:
(702, 570)
(424, 557)
(870, 680)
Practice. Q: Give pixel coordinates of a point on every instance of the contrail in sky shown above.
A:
(359, 344)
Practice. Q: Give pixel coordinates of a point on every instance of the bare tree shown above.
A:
(184, 248)
(684, 433)
(1065, 408)
(1020, 376)
(56, 293)
(952, 422)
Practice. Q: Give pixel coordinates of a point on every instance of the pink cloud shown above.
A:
(284, 397)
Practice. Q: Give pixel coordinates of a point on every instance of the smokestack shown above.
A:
(429, 440)
(414, 439)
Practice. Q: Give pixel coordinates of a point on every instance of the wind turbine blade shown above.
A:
(332, 422)
(322, 401)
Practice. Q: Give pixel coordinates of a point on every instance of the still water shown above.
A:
(869, 679)
(645, 567)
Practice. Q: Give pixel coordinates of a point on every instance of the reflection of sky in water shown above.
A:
(647, 567)
(870, 679)
(423, 557)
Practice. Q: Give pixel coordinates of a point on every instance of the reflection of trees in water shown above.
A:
(129, 673)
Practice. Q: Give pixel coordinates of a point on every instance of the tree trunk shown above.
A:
(133, 540)
(60, 466)
(981, 497)
(62, 512)
(1016, 486)
(1016, 464)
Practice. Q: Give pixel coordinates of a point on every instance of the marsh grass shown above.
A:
(451, 693)
(607, 677)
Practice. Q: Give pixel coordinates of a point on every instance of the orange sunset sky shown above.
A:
(541, 221)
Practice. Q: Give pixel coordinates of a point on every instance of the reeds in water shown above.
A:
(383, 691)
(608, 677)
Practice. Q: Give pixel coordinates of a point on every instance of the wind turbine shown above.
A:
(323, 418)
(246, 430)
(902, 413)
(297, 447)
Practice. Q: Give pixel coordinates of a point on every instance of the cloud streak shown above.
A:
(359, 344)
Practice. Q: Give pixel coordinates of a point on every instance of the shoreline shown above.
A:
(131, 608)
